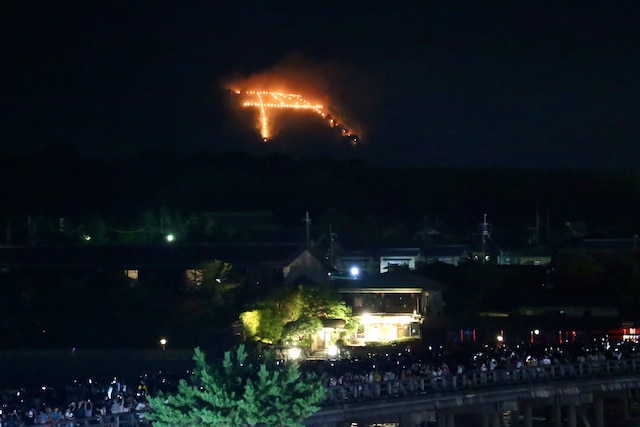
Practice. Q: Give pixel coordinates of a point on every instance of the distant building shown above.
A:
(362, 264)
(356, 265)
(304, 267)
(536, 256)
(448, 254)
(540, 317)
(391, 306)
(394, 258)
(171, 264)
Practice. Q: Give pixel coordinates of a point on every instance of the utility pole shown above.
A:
(331, 239)
(485, 234)
(307, 220)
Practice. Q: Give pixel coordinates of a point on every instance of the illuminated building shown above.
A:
(391, 306)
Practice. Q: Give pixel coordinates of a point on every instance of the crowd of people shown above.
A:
(75, 404)
(451, 360)
(81, 403)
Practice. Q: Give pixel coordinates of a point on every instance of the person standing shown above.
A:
(88, 409)
(140, 408)
(30, 416)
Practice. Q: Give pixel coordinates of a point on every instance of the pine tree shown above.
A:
(240, 394)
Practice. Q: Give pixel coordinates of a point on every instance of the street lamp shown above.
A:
(163, 343)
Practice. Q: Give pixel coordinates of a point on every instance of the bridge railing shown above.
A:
(124, 419)
(366, 390)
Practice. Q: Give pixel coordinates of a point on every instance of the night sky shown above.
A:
(535, 84)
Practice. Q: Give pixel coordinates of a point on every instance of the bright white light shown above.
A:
(294, 353)
(170, 237)
(500, 338)
(332, 350)
(355, 271)
(536, 331)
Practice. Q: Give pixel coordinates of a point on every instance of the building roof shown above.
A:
(392, 280)
(333, 323)
(404, 252)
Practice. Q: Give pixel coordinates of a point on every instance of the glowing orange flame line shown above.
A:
(286, 100)
(265, 132)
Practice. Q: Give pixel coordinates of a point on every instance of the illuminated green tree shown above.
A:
(301, 330)
(294, 314)
(240, 393)
(322, 302)
(271, 324)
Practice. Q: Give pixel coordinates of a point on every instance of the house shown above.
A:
(263, 264)
(390, 306)
(360, 263)
(448, 254)
(540, 317)
(567, 318)
(536, 256)
(304, 266)
(411, 258)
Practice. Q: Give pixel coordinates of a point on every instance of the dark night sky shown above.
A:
(482, 83)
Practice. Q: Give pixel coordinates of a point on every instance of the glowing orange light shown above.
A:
(263, 115)
(265, 100)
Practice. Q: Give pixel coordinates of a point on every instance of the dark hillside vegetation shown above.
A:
(59, 182)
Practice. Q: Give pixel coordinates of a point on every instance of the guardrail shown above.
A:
(476, 379)
(124, 419)
(365, 391)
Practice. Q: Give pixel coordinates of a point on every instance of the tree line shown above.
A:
(356, 197)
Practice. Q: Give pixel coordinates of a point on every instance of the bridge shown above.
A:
(566, 393)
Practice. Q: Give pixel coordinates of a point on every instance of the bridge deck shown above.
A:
(454, 392)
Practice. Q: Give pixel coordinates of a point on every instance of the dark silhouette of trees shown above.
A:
(61, 183)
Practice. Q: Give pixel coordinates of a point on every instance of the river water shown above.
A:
(29, 368)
